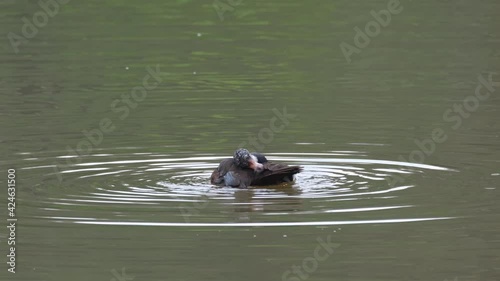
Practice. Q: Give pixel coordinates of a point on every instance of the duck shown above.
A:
(251, 169)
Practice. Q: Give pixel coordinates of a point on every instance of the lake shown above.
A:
(115, 113)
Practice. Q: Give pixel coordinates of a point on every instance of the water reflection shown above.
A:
(262, 224)
(174, 190)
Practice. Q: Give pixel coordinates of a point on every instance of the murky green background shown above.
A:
(139, 202)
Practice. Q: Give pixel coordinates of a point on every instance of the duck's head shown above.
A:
(243, 159)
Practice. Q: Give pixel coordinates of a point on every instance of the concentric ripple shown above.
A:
(139, 188)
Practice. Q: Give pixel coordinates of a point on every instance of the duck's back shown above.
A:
(275, 173)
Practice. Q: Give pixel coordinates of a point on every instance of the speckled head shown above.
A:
(243, 159)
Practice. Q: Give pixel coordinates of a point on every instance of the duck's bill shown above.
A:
(256, 166)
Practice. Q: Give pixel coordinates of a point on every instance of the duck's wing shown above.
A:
(218, 174)
(276, 173)
(228, 174)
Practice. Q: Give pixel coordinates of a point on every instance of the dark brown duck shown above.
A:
(246, 169)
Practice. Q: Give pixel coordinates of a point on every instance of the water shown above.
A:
(396, 183)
